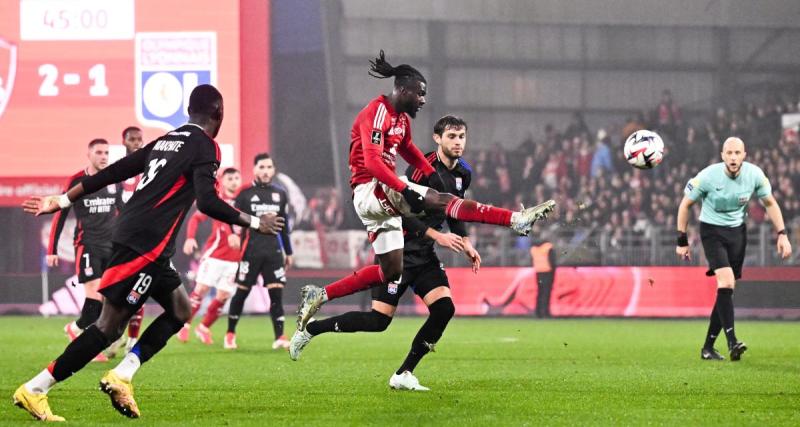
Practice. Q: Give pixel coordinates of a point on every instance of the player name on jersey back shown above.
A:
(169, 145)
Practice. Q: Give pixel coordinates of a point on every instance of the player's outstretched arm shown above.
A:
(124, 168)
(209, 203)
(119, 171)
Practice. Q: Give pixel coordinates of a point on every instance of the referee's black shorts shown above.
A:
(724, 247)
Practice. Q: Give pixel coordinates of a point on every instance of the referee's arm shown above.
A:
(776, 217)
(682, 249)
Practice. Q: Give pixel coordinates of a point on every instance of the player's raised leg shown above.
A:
(376, 320)
(388, 246)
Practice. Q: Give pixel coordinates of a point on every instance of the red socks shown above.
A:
(472, 211)
(196, 300)
(135, 324)
(362, 279)
(212, 313)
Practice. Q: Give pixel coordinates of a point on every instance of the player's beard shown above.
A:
(450, 155)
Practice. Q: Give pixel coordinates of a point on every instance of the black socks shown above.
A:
(354, 321)
(441, 311)
(89, 313)
(276, 310)
(236, 308)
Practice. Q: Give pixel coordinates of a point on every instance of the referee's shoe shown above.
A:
(710, 354)
(736, 351)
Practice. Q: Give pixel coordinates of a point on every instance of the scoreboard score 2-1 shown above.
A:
(75, 70)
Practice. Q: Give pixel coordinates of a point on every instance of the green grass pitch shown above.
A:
(484, 372)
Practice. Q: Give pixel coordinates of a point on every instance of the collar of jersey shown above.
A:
(458, 165)
(389, 108)
(195, 125)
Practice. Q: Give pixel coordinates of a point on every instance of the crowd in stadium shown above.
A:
(583, 169)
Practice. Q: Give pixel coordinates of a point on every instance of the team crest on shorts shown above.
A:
(168, 67)
(133, 297)
(89, 271)
(392, 289)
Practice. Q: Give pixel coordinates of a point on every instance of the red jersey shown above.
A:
(217, 243)
(379, 133)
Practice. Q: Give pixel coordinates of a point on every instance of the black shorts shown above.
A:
(269, 267)
(422, 279)
(91, 262)
(724, 247)
(131, 278)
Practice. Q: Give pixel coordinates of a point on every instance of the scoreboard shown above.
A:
(75, 70)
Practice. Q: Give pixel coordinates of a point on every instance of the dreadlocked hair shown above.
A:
(403, 74)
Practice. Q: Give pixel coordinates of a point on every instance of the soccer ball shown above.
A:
(644, 149)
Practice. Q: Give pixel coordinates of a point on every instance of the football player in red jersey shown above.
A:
(381, 131)
(218, 266)
(94, 216)
(178, 168)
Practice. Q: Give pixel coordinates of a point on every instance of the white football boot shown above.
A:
(406, 381)
(299, 341)
(311, 299)
(523, 221)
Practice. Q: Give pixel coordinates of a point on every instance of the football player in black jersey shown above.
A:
(267, 256)
(422, 269)
(94, 217)
(179, 168)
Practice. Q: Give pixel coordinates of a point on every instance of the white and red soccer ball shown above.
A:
(644, 149)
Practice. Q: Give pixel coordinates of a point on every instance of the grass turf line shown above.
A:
(484, 371)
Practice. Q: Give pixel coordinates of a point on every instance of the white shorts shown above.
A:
(380, 208)
(217, 273)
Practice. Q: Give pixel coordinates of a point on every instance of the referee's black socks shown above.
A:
(714, 327)
(725, 311)
(441, 311)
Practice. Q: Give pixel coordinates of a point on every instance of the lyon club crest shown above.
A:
(168, 67)
(8, 70)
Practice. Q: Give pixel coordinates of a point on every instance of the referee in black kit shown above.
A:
(725, 189)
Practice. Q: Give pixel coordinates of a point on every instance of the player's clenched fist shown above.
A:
(270, 224)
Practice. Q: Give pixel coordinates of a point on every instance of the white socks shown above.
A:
(41, 383)
(128, 367)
